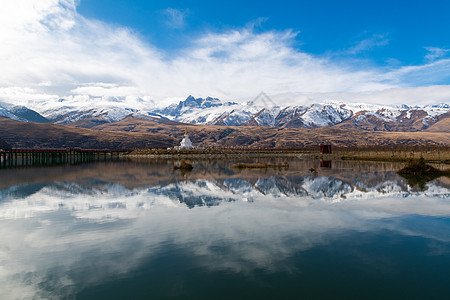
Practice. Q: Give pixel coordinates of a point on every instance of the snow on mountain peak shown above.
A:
(20, 113)
(213, 111)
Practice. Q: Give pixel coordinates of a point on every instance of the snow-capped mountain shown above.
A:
(191, 103)
(313, 116)
(212, 111)
(395, 118)
(202, 111)
(67, 111)
(195, 111)
(21, 113)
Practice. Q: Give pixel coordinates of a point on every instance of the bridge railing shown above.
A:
(13, 158)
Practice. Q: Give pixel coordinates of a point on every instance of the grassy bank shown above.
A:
(433, 154)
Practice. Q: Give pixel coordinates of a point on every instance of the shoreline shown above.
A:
(435, 155)
(217, 153)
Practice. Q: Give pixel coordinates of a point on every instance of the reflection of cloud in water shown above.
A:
(73, 237)
(58, 251)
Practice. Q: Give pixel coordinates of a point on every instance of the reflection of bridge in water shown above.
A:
(47, 157)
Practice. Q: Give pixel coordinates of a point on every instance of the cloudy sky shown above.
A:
(377, 51)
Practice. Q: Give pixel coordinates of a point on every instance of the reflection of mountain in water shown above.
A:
(279, 186)
(20, 191)
(99, 195)
(212, 192)
(196, 193)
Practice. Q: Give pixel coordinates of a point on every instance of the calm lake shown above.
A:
(139, 229)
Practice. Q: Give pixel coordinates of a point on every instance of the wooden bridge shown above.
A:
(47, 157)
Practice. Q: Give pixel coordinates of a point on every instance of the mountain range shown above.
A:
(253, 124)
(212, 111)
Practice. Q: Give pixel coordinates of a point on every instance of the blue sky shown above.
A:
(383, 32)
(131, 52)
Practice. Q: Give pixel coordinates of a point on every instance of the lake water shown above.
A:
(139, 229)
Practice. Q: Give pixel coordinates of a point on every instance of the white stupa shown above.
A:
(185, 142)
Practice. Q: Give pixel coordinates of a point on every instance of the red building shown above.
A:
(325, 148)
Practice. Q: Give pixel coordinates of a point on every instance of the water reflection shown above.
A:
(129, 186)
(325, 164)
(86, 226)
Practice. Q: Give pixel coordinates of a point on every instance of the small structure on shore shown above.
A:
(325, 148)
(185, 142)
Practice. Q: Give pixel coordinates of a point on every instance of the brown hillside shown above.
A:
(131, 133)
(36, 135)
(441, 126)
(4, 145)
(269, 137)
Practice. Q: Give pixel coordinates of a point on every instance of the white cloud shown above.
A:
(175, 17)
(49, 51)
(427, 74)
(426, 95)
(435, 53)
(102, 89)
(376, 40)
